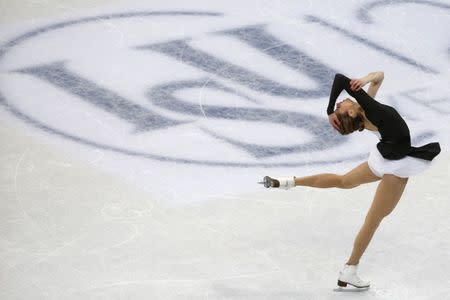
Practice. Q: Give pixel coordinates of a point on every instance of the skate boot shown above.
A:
(280, 182)
(348, 276)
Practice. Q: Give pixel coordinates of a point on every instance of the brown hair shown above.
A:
(349, 124)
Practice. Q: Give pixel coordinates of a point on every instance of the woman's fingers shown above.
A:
(360, 84)
(355, 84)
(334, 121)
(336, 124)
(333, 124)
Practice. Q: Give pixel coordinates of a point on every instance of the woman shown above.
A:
(391, 162)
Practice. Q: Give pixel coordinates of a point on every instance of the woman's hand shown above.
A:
(334, 121)
(356, 84)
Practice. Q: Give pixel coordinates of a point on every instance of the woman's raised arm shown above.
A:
(342, 82)
(375, 79)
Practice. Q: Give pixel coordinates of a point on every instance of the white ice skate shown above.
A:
(348, 276)
(279, 182)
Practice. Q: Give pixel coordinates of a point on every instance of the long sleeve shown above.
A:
(336, 89)
(341, 82)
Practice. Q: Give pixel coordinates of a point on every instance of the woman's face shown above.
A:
(344, 106)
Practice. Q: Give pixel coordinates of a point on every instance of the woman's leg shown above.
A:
(359, 175)
(388, 194)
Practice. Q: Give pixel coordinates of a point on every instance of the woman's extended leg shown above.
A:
(388, 194)
(359, 175)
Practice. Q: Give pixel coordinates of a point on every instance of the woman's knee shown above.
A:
(375, 219)
(345, 182)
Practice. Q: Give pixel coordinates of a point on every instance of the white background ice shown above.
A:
(85, 222)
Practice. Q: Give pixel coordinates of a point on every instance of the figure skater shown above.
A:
(391, 162)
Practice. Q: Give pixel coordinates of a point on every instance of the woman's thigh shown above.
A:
(388, 194)
(359, 175)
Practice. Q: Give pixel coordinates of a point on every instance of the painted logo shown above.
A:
(141, 85)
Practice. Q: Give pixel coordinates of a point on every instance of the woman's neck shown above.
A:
(368, 125)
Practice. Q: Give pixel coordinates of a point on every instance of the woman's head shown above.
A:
(350, 115)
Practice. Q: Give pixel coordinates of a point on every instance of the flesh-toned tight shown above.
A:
(388, 193)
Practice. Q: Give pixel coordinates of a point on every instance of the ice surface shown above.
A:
(134, 134)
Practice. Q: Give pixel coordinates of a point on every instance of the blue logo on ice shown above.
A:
(117, 83)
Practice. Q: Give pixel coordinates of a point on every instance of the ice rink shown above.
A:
(133, 135)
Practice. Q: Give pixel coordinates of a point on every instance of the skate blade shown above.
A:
(267, 182)
(351, 289)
